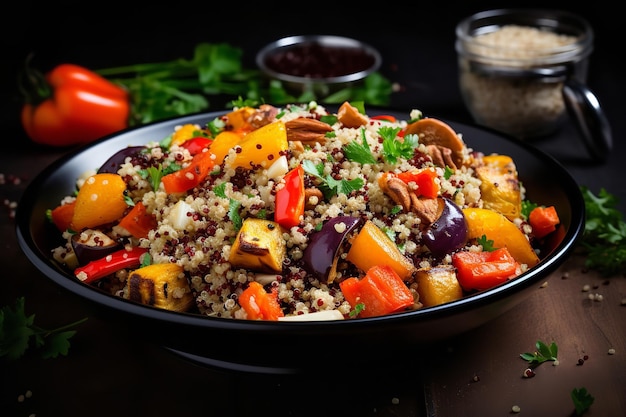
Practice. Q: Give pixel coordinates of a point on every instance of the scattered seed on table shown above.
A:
(516, 409)
(611, 351)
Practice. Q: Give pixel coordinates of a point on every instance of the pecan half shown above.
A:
(308, 131)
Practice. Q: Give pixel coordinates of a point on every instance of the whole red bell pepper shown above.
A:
(72, 105)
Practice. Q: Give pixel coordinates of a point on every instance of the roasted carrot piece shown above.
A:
(138, 222)
(62, 215)
(543, 220)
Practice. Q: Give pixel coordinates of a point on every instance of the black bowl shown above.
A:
(286, 347)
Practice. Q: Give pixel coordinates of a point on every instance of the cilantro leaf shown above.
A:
(359, 152)
(330, 186)
(394, 148)
(487, 244)
(17, 330)
(582, 400)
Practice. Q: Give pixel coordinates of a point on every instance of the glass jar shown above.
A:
(513, 64)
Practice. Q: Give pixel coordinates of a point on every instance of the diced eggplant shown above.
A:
(114, 163)
(449, 232)
(320, 256)
(91, 244)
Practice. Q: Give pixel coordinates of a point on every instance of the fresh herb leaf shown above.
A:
(359, 152)
(487, 244)
(543, 353)
(604, 237)
(357, 310)
(17, 331)
(394, 148)
(582, 400)
(527, 207)
(233, 205)
(330, 186)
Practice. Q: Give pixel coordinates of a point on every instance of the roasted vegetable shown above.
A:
(484, 270)
(380, 292)
(91, 244)
(449, 232)
(500, 186)
(503, 232)
(99, 201)
(259, 304)
(372, 247)
(320, 255)
(437, 285)
(259, 246)
(110, 264)
(160, 285)
(113, 164)
(261, 147)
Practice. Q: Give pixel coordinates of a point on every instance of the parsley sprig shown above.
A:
(543, 353)
(393, 147)
(604, 238)
(18, 331)
(582, 400)
(330, 186)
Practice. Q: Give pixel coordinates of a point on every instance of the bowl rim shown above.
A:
(325, 40)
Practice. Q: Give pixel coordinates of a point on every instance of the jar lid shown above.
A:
(584, 108)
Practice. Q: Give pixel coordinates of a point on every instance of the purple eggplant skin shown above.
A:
(323, 246)
(91, 245)
(449, 232)
(112, 165)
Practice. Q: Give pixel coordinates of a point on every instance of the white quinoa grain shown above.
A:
(516, 409)
(611, 351)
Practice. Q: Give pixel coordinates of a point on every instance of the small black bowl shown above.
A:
(319, 63)
(289, 347)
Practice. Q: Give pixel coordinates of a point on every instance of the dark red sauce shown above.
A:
(319, 61)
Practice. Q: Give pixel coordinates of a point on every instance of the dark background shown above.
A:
(107, 35)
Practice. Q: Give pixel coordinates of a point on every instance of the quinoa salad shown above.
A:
(299, 213)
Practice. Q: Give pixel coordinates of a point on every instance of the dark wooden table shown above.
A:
(111, 371)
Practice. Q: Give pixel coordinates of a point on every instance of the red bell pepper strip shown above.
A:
(484, 270)
(385, 117)
(381, 292)
(196, 145)
(72, 105)
(110, 264)
(260, 305)
(138, 222)
(191, 176)
(290, 199)
(543, 220)
(425, 180)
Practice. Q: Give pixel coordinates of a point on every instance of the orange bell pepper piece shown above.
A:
(260, 305)
(484, 270)
(381, 292)
(138, 222)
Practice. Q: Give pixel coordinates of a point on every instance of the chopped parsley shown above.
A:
(330, 186)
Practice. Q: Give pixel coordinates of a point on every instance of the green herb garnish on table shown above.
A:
(18, 333)
(604, 238)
